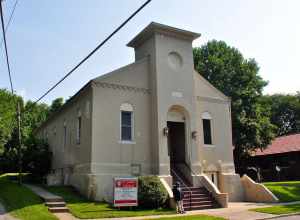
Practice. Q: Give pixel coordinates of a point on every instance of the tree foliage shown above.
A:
(35, 153)
(56, 105)
(285, 112)
(33, 116)
(7, 115)
(36, 156)
(237, 77)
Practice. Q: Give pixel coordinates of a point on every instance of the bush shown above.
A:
(37, 157)
(151, 192)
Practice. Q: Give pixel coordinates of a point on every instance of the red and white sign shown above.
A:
(125, 191)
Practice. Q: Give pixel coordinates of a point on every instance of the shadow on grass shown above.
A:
(285, 191)
(281, 209)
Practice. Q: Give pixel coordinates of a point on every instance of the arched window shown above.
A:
(126, 125)
(207, 128)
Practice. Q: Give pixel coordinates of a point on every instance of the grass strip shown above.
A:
(21, 202)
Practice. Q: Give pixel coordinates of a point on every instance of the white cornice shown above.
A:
(212, 99)
(122, 87)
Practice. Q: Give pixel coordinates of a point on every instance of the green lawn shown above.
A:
(21, 202)
(285, 191)
(194, 217)
(278, 210)
(83, 208)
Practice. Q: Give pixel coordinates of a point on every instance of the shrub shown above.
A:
(37, 157)
(151, 192)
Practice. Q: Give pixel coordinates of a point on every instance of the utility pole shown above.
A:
(19, 148)
(18, 103)
(19, 142)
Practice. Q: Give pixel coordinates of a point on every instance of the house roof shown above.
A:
(154, 27)
(284, 144)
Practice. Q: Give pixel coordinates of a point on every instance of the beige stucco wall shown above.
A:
(167, 81)
(217, 157)
(218, 106)
(257, 192)
(110, 156)
(72, 158)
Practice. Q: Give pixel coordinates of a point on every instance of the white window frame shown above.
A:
(206, 115)
(126, 107)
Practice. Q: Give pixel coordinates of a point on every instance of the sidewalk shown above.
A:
(42, 192)
(235, 210)
(4, 215)
(45, 195)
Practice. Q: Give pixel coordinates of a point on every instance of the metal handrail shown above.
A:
(190, 191)
(196, 176)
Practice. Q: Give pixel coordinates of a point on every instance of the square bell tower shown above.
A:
(171, 69)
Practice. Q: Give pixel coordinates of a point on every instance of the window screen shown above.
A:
(126, 125)
(78, 133)
(207, 131)
(65, 136)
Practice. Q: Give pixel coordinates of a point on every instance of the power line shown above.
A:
(12, 91)
(93, 51)
(9, 20)
(5, 46)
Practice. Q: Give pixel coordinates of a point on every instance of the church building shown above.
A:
(155, 116)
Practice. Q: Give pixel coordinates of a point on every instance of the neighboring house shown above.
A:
(156, 116)
(283, 153)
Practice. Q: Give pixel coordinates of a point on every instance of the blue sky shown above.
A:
(47, 38)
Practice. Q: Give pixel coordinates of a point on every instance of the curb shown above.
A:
(279, 216)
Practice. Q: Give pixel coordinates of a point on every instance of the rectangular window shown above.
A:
(207, 131)
(78, 132)
(126, 126)
(65, 136)
(46, 136)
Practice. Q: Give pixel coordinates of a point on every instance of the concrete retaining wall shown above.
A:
(256, 192)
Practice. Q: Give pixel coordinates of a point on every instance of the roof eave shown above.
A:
(154, 27)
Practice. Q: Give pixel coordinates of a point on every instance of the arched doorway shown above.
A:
(177, 143)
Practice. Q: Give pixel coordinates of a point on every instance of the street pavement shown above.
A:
(4, 215)
(295, 217)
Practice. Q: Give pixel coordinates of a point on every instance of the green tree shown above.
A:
(285, 112)
(8, 105)
(56, 105)
(237, 77)
(33, 116)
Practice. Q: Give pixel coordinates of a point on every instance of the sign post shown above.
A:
(125, 191)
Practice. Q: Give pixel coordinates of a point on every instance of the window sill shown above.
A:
(127, 142)
(209, 145)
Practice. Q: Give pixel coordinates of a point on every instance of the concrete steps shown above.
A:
(197, 198)
(58, 209)
(56, 205)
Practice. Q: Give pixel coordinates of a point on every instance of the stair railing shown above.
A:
(190, 191)
(193, 173)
